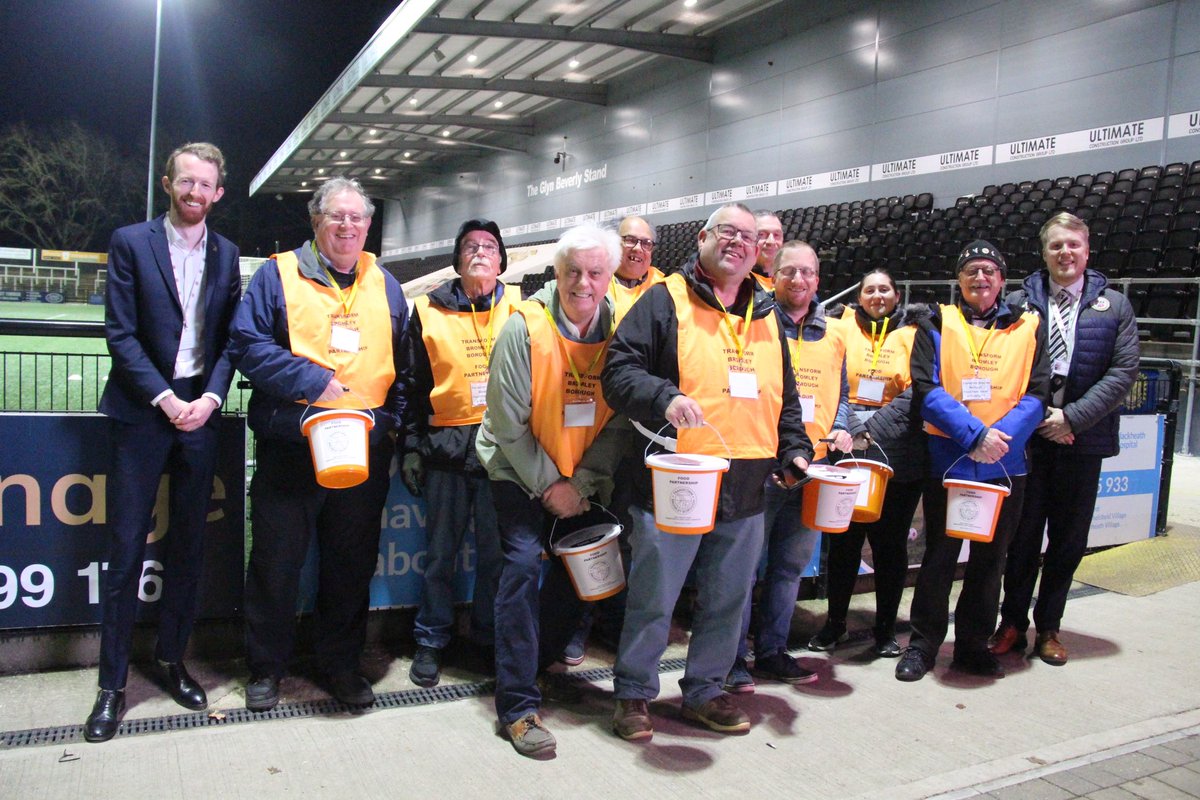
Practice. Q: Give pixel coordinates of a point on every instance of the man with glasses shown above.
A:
(702, 351)
(635, 274)
(770, 239)
(452, 331)
(817, 351)
(980, 378)
(173, 285)
(322, 325)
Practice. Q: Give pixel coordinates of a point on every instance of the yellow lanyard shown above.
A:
(347, 302)
(737, 341)
(975, 352)
(877, 344)
(567, 356)
(487, 348)
(794, 353)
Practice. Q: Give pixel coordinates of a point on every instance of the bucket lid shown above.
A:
(687, 462)
(831, 474)
(959, 483)
(869, 464)
(585, 537)
(333, 413)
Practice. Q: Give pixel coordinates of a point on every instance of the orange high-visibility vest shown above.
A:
(624, 297)
(818, 369)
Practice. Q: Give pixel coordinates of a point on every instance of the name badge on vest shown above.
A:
(579, 415)
(478, 393)
(808, 407)
(743, 384)
(344, 339)
(1059, 366)
(870, 390)
(976, 389)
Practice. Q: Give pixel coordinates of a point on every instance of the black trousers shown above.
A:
(889, 549)
(289, 508)
(975, 613)
(1060, 500)
(141, 453)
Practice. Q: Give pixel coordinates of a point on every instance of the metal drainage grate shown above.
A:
(70, 734)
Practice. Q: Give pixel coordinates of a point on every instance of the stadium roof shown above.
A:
(442, 79)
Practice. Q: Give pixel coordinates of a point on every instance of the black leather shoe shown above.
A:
(106, 714)
(181, 686)
(887, 647)
(351, 688)
(262, 693)
(913, 665)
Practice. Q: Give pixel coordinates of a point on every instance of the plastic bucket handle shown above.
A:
(554, 525)
(310, 406)
(1007, 477)
(669, 444)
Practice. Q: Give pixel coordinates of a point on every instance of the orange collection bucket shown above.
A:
(338, 439)
(973, 508)
(868, 506)
(830, 497)
(687, 486)
(592, 557)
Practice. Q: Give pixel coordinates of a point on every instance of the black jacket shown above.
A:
(641, 378)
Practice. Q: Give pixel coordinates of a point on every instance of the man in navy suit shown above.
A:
(173, 286)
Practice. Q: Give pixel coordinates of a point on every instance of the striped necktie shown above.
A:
(1058, 340)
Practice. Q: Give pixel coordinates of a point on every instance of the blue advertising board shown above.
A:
(53, 523)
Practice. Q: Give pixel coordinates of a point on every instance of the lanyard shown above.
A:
(567, 356)
(794, 354)
(975, 352)
(737, 341)
(347, 302)
(1056, 319)
(877, 344)
(487, 348)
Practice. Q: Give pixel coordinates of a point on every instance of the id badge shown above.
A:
(478, 393)
(977, 389)
(743, 384)
(808, 408)
(870, 390)
(344, 339)
(1059, 367)
(579, 415)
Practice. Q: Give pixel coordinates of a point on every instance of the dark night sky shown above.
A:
(239, 73)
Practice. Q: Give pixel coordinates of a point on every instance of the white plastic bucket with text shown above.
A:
(830, 497)
(338, 440)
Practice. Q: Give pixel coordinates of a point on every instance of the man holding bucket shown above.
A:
(450, 342)
(817, 352)
(705, 346)
(321, 325)
(980, 378)
(550, 446)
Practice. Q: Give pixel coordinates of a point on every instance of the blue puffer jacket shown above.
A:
(964, 430)
(1104, 362)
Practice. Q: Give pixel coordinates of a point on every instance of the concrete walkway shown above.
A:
(1121, 720)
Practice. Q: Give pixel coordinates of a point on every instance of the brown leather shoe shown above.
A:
(1050, 650)
(720, 714)
(631, 720)
(1007, 639)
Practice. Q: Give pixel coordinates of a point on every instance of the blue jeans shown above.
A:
(453, 499)
(532, 626)
(788, 546)
(725, 559)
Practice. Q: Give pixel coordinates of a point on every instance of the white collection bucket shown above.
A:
(592, 556)
(686, 490)
(338, 440)
(973, 508)
(830, 497)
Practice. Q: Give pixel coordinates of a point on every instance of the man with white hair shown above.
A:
(549, 444)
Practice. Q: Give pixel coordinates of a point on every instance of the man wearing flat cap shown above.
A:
(449, 346)
(980, 379)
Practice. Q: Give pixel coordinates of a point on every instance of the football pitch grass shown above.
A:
(59, 373)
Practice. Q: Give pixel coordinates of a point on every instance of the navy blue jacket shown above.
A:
(143, 319)
(261, 348)
(1104, 362)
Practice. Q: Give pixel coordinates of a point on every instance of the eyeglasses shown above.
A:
(787, 273)
(337, 218)
(971, 272)
(487, 248)
(731, 232)
(633, 241)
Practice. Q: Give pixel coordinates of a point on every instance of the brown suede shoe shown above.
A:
(1007, 639)
(631, 720)
(1049, 649)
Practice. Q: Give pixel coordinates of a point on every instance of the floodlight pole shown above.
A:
(153, 115)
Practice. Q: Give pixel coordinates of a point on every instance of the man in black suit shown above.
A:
(173, 286)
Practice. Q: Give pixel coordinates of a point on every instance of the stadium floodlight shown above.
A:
(153, 114)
